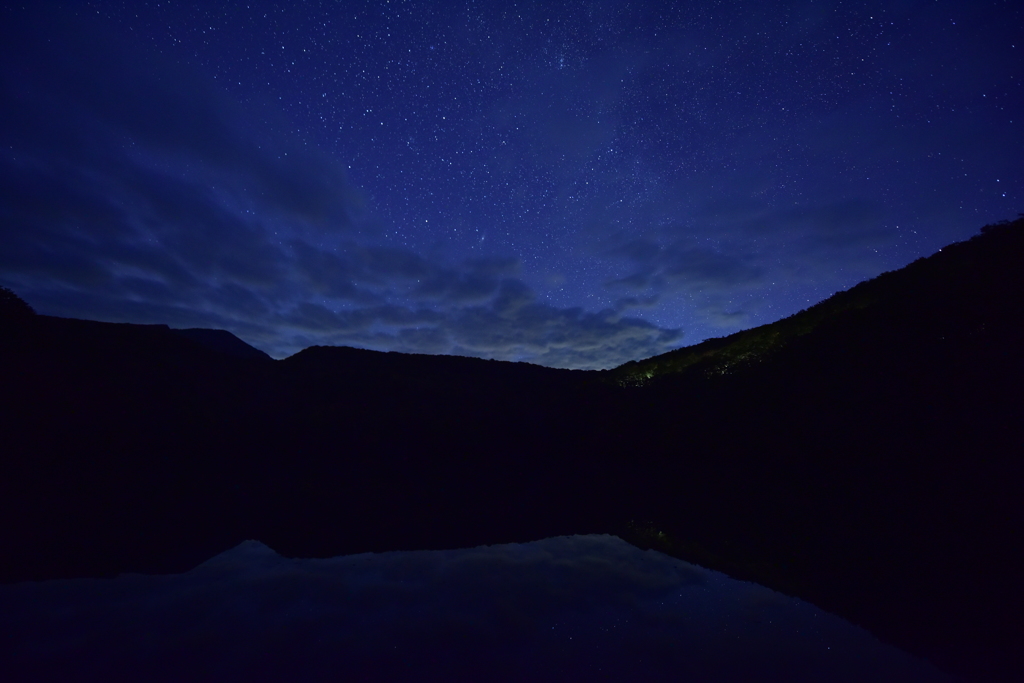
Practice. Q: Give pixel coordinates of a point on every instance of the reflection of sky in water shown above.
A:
(569, 608)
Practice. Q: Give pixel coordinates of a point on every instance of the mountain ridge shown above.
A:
(753, 344)
(867, 463)
(223, 341)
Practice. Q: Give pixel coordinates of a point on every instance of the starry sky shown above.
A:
(572, 184)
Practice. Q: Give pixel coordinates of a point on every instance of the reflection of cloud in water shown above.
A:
(581, 607)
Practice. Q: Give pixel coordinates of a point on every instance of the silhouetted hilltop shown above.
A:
(957, 291)
(406, 365)
(863, 454)
(333, 368)
(222, 341)
(13, 308)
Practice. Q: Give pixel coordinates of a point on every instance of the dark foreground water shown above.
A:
(568, 608)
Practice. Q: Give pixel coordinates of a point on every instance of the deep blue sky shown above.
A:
(575, 185)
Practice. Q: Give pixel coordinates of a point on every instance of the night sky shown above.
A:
(576, 184)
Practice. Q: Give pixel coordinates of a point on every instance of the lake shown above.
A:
(568, 608)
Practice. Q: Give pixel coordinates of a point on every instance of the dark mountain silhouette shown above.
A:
(864, 454)
(953, 288)
(12, 307)
(223, 341)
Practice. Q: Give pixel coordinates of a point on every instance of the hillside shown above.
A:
(863, 454)
(870, 443)
(956, 285)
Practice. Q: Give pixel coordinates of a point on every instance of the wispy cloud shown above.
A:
(134, 190)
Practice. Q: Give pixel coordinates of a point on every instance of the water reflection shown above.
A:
(568, 608)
